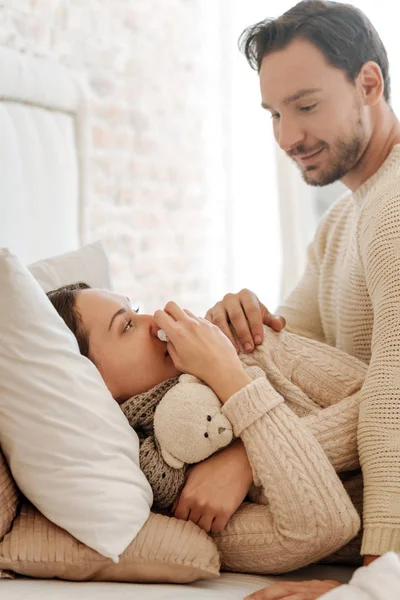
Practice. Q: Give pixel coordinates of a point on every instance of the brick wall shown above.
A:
(157, 182)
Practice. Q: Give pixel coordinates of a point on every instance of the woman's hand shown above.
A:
(247, 315)
(198, 347)
(215, 488)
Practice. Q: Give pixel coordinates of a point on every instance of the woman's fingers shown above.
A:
(171, 314)
(203, 519)
(164, 320)
(181, 511)
(175, 311)
(205, 522)
(219, 523)
(168, 318)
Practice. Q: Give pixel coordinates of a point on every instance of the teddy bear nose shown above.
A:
(221, 429)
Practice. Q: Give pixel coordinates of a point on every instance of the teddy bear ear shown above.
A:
(173, 462)
(186, 378)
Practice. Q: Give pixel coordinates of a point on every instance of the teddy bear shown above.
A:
(188, 423)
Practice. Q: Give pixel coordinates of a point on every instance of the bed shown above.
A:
(43, 199)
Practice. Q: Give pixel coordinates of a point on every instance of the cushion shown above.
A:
(9, 497)
(88, 264)
(69, 447)
(165, 550)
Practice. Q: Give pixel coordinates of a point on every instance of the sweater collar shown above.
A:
(391, 161)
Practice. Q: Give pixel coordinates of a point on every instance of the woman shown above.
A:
(305, 513)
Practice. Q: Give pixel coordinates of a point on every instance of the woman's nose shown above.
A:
(153, 327)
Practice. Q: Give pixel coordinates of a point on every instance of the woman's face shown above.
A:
(123, 344)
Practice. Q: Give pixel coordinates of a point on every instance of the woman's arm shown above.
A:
(335, 429)
(215, 488)
(321, 384)
(309, 514)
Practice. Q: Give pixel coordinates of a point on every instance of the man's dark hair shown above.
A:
(343, 34)
(63, 299)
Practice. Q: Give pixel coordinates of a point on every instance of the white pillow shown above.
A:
(88, 264)
(69, 447)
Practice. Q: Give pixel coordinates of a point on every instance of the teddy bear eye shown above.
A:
(206, 435)
(208, 418)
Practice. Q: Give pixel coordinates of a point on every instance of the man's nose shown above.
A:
(288, 134)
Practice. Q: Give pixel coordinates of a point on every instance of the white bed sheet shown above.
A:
(230, 586)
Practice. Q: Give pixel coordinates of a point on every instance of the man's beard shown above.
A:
(344, 155)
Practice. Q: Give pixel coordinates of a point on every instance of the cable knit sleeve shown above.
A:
(335, 429)
(379, 419)
(309, 513)
(319, 383)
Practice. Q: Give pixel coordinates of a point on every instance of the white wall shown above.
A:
(254, 227)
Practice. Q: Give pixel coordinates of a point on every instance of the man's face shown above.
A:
(317, 113)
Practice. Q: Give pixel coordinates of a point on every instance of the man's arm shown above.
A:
(301, 308)
(379, 420)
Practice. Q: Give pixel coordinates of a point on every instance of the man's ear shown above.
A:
(370, 79)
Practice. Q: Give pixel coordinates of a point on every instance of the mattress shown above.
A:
(229, 586)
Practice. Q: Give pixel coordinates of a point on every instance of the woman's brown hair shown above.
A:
(342, 32)
(64, 301)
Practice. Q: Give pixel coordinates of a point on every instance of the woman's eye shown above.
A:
(128, 325)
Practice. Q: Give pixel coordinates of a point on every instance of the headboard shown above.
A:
(43, 156)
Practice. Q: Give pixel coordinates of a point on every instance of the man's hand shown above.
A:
(295, 590)
(215, 488)
(368, 559)
(247, 315)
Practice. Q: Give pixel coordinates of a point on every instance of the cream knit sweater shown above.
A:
(298, 424)
(349, 298)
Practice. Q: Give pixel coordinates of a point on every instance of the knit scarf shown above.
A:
(165, 481)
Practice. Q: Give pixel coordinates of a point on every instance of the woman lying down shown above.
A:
(292, 406)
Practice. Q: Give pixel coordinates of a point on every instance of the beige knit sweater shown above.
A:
(349, 298)
(299, 428)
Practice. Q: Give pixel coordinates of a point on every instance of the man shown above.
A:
(324, 80)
